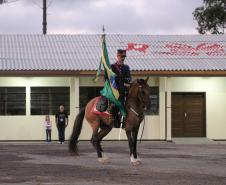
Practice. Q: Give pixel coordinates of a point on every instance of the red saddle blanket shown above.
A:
(95, 111)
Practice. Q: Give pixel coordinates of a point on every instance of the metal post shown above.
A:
(44, 23)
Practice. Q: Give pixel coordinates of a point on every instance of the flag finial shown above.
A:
(103, 30)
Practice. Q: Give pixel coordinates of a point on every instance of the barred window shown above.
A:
(154, 101)
(46, 100)
(12, 100)
(87, 93)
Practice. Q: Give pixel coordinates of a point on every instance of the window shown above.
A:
(46, 100)
(87, 93)
(12, 100)
(154, 101)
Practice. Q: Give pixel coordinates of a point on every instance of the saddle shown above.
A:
(102, 106)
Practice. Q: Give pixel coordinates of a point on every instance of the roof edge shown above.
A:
(41, 73)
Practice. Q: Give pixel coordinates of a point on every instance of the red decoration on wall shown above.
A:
(212, 49)
(137, 47)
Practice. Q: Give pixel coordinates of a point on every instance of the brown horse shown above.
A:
(137, 102)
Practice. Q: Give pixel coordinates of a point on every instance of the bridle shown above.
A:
(141, 116)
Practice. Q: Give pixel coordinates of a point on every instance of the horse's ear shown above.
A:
(146, 80)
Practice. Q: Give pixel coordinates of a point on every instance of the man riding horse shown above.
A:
(117, 85)
(122, 79)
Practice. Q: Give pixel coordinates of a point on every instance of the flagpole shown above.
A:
(103, 29)
(110, 90)
(120, 130)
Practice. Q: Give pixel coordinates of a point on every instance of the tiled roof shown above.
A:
(82, 52)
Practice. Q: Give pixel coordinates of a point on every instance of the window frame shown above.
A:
(154, 91)
(47, 100)
(5, 93)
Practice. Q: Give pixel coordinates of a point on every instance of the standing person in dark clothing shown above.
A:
(122, 79)
(61, 123)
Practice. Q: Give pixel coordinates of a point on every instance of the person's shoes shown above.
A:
(62, 143)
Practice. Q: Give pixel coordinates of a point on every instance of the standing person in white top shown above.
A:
(48, 126)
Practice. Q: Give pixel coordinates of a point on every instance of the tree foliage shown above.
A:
(211, 17)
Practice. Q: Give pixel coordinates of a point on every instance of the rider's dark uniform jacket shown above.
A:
(122, 76)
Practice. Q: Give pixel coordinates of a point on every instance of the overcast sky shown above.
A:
(88, 16)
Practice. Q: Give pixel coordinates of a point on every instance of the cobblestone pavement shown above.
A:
(162, 164)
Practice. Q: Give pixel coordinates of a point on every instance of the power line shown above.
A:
(5, 1)
(41, 7)
(50, 3)
(34, 2)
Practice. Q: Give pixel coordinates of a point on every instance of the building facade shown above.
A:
(187, 80)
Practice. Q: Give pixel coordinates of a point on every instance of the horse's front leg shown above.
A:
(132, 139)
(96, 141)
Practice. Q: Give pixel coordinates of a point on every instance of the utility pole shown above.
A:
(44, 23)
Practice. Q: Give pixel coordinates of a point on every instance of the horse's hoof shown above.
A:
(74, 153)
(104, 160)
(136, 163)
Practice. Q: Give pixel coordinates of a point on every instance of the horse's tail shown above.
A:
(76, 132)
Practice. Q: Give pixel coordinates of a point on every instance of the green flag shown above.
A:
(110, 90)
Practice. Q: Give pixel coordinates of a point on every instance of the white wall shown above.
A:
(31, 127)
(215, 88)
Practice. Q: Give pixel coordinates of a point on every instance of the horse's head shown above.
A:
(140, 91)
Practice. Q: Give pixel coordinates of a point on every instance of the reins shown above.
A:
(142, 131)
(138, 115)
(141, 117)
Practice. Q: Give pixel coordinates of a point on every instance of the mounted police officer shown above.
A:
(122, 79)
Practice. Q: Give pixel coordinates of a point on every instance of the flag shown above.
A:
(110, 90)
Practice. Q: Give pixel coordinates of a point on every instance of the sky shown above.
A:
(155, 17)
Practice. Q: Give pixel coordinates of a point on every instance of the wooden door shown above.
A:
(188, 115)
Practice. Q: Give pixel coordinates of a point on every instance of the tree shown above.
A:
(211, 17)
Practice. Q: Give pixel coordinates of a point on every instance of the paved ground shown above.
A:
(163, 164)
